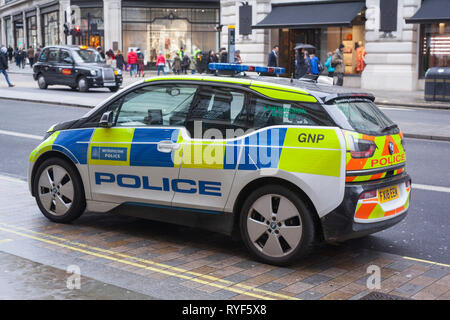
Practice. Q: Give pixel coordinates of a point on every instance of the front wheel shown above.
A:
(42, 83)
(114, 89)
(83, 85)
(276, 226)
(59, 191)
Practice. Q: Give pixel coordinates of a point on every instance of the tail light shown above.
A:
(368, 195)
(362, 148)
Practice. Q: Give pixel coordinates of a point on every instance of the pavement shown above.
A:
(26, 90)
(161, 261)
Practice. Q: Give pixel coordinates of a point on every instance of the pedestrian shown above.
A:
(4, 64)
(17, 57)
(300, 65)
(132, 60)
(10, 53)
(307, 62)
(360, 57)
(327, 64)
(160, 63)
(30, 54)
(337, 62)
(185, 62)
(223, 55)
(314, 64)
(100, 50)
(273, 57)
(237, 57)
(120, 61)
(212, 58)
(37, 54)
(140, 63)
(176, 64)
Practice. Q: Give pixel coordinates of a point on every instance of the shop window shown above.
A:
(435, 47)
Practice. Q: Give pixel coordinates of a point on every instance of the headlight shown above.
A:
(93, 72)
(117, 72)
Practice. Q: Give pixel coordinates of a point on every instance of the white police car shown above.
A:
(281, 162)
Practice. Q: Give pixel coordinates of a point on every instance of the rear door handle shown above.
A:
(168, 146)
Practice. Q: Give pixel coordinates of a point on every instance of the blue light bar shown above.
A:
(244, 68)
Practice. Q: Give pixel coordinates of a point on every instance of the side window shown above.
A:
(221, 109)
(158, 105)
(44, 55)
(63, 54)
(52, 55)
(265, 112)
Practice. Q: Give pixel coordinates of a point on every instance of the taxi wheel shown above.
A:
(59, 191)
(114, 89)
(276, 225)
(83, 85)
(42, 83)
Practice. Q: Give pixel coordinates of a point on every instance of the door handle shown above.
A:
(168, 146)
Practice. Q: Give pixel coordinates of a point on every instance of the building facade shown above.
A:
(399, 39)
(153, 26)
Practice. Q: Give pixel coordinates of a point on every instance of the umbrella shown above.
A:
(304, 46)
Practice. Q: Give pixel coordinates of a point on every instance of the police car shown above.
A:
(78, 67)
(282, 163)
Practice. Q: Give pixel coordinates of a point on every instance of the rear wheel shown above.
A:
(59, 191)
(114, 89)
(82, 84)
(276, 226)
(42, 83)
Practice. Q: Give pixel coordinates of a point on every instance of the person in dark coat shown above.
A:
(273, 57)
(4, 64)
(300, 64)
(10, 53)
(120, 61)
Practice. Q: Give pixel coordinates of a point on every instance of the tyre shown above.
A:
(276, 226)
(83, 85)
(114, 89)
(42, 83)
(59, 191)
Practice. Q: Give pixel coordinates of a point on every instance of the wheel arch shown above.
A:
(251, 186)
(48, 155)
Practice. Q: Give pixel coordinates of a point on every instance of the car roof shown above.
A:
(321, 91)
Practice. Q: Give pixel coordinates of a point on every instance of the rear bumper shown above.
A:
(341, 225)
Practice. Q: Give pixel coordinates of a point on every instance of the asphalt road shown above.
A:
(424, 234)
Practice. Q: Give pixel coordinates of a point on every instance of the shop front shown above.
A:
(50, 25)
(325, 26)
(168, 29)
(434, 19)
(18, 31)
(31, 27)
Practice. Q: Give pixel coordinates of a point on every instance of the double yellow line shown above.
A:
(146, 264)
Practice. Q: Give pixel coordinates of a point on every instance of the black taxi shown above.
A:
(78, 67)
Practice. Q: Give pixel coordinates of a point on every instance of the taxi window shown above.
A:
(161, 105)
(53, 55)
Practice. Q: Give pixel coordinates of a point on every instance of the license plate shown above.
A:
(109, 84)
(388, 194)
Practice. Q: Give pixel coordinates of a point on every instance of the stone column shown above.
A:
(63, 5)
(256, 46)
(25, 31)
(38, 27)
(112, 18)
(391, 62)
(3, 32)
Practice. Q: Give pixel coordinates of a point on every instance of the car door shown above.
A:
(66, 68)
(137, 159)
(51, 67)
(216, 122)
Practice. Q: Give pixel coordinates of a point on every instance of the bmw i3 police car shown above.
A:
(282, 163)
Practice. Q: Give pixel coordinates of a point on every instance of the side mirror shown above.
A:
(106, 121)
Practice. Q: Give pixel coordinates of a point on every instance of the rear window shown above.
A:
(361, 116)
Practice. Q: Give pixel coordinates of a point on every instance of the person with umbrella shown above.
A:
(300, 64)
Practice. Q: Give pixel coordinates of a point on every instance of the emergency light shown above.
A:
(244, 68)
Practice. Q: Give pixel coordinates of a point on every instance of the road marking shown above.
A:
(430, 188)
(428, 261)
(22, 135)
(5, 240)
(172, 271)
(11, 179)
(396, 109)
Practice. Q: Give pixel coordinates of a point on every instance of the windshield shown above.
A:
(87, 56)
(362, 116)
